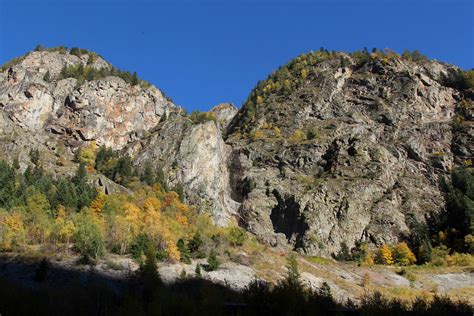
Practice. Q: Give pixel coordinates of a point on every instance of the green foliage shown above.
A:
(184, 251)
(414, 56)
(459, 197)
(312, 133)
(237, 236)
(140, 246)
(89, 239)
(7, 185)
(34, 156)
(248, 186)
(344, 254)
(198, 117)
(114, 166)
(293, 277)
(16, 188)
(180, 190)
(459, 79)
(198, 270)
(88, 73)
(195, 245)
(13, 62)
(212, 262)
(78, 51)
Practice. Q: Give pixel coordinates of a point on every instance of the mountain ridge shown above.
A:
(337, 135)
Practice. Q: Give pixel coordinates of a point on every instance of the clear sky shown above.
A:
(205, 52)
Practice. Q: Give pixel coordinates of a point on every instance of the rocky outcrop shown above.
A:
(195, 157)
(108, 111)
(380, 138)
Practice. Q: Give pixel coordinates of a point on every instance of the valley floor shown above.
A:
(346, 279)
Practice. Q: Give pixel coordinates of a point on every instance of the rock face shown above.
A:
(381, 136)
(351, 154)
(195, 157)
(108, 111)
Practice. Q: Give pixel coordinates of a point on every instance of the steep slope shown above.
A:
(330, 149)
(335, 149)
(78, 98)
(58, 100)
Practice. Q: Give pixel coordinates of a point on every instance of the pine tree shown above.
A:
(293, 277)
(184, 251)
(198, 270)
(212, 261)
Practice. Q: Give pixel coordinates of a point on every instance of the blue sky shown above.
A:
(202, 53)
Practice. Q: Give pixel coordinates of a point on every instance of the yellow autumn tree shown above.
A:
(403, 255)
(367, 255)
(170, 246)
(12, 230)
(259, 99)
(119, 234)
(39, 224)
(384, 255)
(88, 154)
(64, 227)
(151, 219)
(98, 203)
(132, 215)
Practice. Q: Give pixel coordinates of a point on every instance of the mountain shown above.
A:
(330, 150)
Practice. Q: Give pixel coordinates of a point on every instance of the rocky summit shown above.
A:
(330, 150)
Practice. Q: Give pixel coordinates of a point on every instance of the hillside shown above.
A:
(334, 155)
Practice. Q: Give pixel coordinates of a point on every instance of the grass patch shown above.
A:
(320, 260)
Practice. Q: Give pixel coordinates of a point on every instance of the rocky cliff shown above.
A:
(326, 151)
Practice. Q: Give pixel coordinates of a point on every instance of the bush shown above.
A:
(198, 117)
(439, 254)
(403, 255)
(298, 136)
(459, 79)
(312, 133)
(248, 186)
(195, 245)
(237, 236)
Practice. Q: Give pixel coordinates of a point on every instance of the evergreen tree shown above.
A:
(184, 251)
(293, 278)
(212, 261)
(198, 270)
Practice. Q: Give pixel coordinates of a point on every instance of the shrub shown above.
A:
(312, 133)
(459, 79)
(248, 186)
(403, 255)
(195, 245)
(439, 254)
(237, 236)
(198, 117)
(298, 136)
